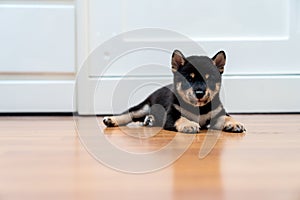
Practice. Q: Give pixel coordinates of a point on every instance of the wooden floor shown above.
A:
(43, 158)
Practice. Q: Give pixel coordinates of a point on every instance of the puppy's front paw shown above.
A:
(234, 126)
(110, 122)
(186, 126)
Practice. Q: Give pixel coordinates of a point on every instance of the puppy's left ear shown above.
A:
(219, 60)
(178, 60)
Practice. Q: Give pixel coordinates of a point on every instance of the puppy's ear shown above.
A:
(178, 60)
(219, 60)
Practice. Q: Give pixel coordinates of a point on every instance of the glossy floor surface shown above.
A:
(45, 158)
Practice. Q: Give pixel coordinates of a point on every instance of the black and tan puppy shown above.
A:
(192, 102)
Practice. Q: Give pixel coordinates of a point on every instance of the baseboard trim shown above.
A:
(36, 96)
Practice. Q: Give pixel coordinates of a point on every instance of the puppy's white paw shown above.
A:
(234, 127)
(186, 126)
(110, 122)
(149, 120)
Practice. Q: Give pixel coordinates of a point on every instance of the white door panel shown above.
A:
(37, 37)
(224, 20)
(261, 39)
(144, 62)
(198, 19)
(122, 93)
(39, 96)
(260, 36)
(37, 56)
(246, 94)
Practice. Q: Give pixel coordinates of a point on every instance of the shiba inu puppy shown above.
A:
(191, 103)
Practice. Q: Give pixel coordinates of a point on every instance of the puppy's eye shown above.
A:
(191, 77)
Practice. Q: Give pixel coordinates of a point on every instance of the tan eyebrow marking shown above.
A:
(206, 76)
(192, 75)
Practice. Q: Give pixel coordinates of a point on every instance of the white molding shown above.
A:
(82, 31)
(36, 96)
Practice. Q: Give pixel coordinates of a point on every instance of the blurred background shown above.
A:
(45, 43)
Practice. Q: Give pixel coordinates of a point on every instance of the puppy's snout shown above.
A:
(199, 93)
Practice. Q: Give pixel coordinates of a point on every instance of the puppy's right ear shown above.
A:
(178, 60)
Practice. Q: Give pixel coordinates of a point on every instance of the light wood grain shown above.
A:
(42, 158)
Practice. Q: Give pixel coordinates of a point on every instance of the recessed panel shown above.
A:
(145, 62)
(37, 38)
(214, 19)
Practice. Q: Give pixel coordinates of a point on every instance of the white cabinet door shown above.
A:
(37, 38)
(37, 56)
(261, 39)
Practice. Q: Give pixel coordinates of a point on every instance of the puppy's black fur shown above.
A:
(190, 103)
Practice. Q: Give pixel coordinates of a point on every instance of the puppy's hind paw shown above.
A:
(110, 122)
(149, 120)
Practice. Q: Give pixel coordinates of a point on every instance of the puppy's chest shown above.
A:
(197, 116)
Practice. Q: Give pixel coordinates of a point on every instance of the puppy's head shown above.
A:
(197, 79)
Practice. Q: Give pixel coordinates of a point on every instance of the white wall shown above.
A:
(43, 43)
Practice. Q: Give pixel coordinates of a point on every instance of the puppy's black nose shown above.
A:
(199, 93)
